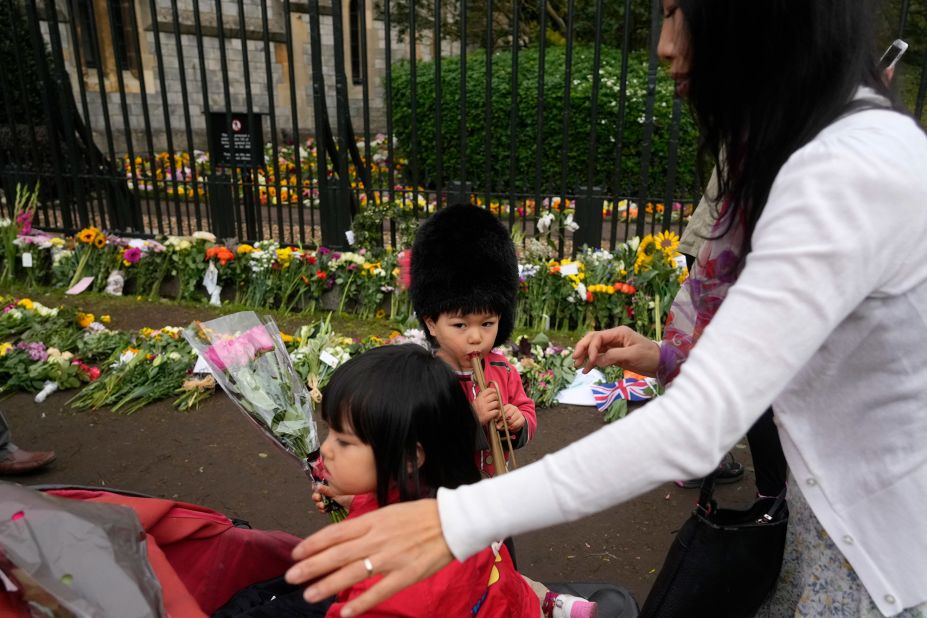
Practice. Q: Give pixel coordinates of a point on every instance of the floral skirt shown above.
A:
(816, 580)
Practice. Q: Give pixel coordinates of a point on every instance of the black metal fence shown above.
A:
(283, 120)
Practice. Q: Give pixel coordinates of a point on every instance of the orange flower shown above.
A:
(321, 275)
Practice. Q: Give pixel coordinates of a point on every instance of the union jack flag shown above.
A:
(631, 389)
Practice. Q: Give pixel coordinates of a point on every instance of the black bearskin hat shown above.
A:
(463, 260)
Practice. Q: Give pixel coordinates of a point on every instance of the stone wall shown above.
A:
(182, 66)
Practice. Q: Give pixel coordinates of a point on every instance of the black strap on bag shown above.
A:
(723, 562)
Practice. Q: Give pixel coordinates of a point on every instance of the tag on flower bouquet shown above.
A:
(349, 236)
(80, 286)
(569, 269)
(27, 260)
(201, 366)
(680, 262)
(329, 359)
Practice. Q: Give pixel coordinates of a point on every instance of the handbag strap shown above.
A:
(707, 504)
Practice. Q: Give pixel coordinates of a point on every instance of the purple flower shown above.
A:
(132, 255)
(36, 350)
(324, 250)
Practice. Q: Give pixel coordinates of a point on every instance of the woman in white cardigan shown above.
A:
(821, 264)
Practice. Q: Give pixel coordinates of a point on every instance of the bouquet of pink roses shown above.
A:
(247, 357)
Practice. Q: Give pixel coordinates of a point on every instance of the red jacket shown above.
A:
(497, 369)
(486, 585)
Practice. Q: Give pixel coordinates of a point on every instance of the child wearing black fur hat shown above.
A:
(464, 289)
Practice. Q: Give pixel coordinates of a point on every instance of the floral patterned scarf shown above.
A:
(716, 268)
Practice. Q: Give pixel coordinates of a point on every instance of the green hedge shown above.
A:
(580, 108)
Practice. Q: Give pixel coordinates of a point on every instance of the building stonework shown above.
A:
(191, 50)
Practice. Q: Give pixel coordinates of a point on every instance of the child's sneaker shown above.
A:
(558, 605)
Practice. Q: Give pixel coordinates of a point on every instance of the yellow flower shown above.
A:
(682, 276)
(100, 241)
(146, 332)
(284, 256)
(5, 347)
(668, 242)
(380, 314)
(87, 235)
(645, 253)
(286, 338)
(243, 249)
(57, 242)
(84, 319)
(105, 319)
(25, 303)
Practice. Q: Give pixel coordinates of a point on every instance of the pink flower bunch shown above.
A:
(24, 221)
(239, 351)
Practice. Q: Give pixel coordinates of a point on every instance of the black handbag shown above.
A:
(723, 562)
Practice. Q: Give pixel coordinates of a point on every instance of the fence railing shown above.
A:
(257, 119)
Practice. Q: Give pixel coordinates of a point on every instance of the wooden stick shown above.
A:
(495, 442)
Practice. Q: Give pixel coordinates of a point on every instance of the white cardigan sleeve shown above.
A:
(818, 251)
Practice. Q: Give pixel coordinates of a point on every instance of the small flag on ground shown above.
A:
(630, 389)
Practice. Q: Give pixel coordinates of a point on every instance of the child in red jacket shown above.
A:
(399, 428)
(464, 289)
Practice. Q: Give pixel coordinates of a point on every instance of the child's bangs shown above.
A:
(346, 406)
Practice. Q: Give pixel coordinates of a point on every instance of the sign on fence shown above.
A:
(236, 139)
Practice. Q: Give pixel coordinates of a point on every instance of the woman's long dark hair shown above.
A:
(395, 398)
(765, 77)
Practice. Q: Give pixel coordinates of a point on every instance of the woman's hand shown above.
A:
(620, 346)
(402, 542)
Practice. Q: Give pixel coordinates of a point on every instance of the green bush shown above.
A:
(578, 141)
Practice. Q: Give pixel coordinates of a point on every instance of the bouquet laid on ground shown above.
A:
(248, 359)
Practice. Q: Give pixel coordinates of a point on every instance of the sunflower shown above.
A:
(87, 235)
(645, 253)
(668, 242)
(100, 241)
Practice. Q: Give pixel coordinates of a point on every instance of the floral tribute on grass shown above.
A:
(594, 289)
(45, 349)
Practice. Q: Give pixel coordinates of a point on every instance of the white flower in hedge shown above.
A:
(207, 236)
(60, 254)
(340, 354)
(349, 256)
(42, 310)
(581, 292)
(545, 222)
(569, 224)
(634, 243)
(526, 271)
(180, 243)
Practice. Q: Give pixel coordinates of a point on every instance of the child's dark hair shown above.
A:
(394, 398)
